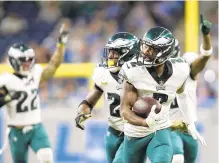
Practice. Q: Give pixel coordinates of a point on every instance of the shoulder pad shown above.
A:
(190, 57)
(5, 78)
(181, 66)
(98, 71)
(37, 71)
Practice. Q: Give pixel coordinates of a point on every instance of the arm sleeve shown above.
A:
(188, 113)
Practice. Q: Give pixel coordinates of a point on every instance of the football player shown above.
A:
(152, 74)
(120, 48)
(185, 146)
(20, 94)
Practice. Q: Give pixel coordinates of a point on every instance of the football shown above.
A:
(143, 105)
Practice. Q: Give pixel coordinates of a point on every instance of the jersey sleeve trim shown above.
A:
(98, 88)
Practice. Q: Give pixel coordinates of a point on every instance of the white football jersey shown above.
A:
(191, 85)
(163, 88)
(25, 110)
(108, 82)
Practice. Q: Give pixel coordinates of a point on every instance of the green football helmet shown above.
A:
(156, 46)
(22, 58)
(125, 44)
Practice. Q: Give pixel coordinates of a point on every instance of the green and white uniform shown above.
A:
(108, 83)
(24, 112)
(143, 141)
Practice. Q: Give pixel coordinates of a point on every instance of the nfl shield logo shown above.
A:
(161, 86)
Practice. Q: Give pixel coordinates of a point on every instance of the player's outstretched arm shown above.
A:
(128, 98)
(205, 49)
(57, 57)
(86, 106)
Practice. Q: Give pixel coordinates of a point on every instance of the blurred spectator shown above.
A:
(12, 24)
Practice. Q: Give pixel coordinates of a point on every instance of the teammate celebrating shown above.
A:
(19, 91)
(152, 74)
(120, 48)
(184, 145)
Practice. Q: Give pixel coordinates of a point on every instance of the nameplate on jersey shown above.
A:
(161, 86)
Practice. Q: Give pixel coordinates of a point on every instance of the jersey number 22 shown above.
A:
(21, 107)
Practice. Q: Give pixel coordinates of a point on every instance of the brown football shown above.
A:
(143, 105)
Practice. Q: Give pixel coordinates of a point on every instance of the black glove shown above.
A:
(4, 99)
(80, 119)
(205, 26)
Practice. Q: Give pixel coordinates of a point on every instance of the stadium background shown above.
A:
(37, 23)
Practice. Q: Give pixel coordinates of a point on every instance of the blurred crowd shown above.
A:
(92, 23)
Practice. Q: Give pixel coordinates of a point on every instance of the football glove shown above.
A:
(205, 26)
(63, 35)
(155, 119)
(195, 134)
(80, 119)
(179, 126)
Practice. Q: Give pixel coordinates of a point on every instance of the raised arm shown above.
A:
(205, 49)
(128, 98)
(57, 57)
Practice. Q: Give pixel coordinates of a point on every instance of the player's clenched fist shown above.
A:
(205, 25)
(63, 34)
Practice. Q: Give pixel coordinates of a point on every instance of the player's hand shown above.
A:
(205, 26)
(80, 119)
(12, 96)
(63, 34)
(155, 119)
(195, 134)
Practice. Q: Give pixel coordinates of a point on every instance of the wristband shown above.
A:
(206, 52)
(87, 103)
(60, 45)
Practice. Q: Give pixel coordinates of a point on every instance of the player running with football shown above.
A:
(20, 94)
(152, 74)
(120, 48)
(185, 146)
